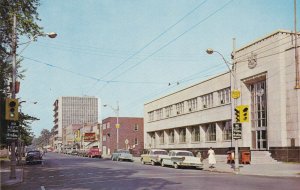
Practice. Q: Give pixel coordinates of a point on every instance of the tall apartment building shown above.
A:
(73, 110)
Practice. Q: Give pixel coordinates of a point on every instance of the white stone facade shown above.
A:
(264, 73)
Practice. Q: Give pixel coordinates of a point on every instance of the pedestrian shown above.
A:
(199, 155)
(211, 158)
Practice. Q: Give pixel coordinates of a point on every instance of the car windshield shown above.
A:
(160, 152)
(184, 154)
(124, 151)
(34, 153)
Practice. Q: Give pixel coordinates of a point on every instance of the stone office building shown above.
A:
(200, 116)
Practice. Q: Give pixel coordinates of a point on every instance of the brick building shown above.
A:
(131, 131)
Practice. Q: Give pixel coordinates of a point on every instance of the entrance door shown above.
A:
(259, 115)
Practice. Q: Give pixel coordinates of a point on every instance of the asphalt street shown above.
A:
(66, 172)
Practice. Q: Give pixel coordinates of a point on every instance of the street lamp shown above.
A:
(233, 74)
(116, 110)
(13, 89)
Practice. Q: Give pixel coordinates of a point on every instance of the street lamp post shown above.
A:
(233, 74)
(13, 87)
(116, 110)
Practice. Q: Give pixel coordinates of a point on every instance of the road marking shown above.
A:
(51, 176)
(43, 188)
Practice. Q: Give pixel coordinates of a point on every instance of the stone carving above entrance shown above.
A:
(252, 60)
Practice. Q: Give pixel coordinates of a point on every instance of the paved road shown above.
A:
(65, 172)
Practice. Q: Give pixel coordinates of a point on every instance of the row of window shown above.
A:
(209, 130)
(107, 126)
(192, 105)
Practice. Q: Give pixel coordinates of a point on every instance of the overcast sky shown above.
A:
(134, 51)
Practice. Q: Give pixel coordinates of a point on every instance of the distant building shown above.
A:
(130, 134)
(201, 116)
(73, 110)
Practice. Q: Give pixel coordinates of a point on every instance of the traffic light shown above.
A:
(242, 113)
(244, 110)
(237, 114)
(11, 109)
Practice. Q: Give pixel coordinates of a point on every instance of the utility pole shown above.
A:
(297, 86)
(13, 95)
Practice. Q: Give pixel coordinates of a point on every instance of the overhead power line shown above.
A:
(170, 42)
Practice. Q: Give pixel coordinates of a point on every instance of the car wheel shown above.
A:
(176, 166)
(142, 161)
(152, 163)
(163, 163)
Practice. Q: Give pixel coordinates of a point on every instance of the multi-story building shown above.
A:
(131, 134)
(201, 116)
(73, 110)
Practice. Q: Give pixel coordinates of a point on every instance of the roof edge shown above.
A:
(265, 37)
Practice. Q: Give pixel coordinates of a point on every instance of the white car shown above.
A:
(154, 156)
(121, 155)
(182, 158)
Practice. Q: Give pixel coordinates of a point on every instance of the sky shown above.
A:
(135, 51)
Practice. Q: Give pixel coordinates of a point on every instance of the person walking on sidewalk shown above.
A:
(211, 158)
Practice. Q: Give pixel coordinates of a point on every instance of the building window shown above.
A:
(159, 114)
(104, 137)
(192, 104)
(136, 127)
(161, 137)
(171, 136)
(180, 108)
(104, 126)
(224, 96)
(136, 141)
(207, 100)
(151, 116)
(108, 125)
(195, 134)
(169, 110)
(226, 130)
(211, 132)
(182, 135)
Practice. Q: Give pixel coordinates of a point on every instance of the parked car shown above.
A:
(34, 156)
(182, 158)
(121, 155)
(94, 152)
(154, 156)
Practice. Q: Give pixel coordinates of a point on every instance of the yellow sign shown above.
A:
(117, 126)
(235, 94)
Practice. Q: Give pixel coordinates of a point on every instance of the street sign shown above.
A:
(117, 126)
(237, 131)
(12, 130)
(126, 141)
(235, 94)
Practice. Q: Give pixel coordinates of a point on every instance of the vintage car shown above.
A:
(121, 155)
(94, 152)
(154, 156)
(182, 158)
(34, 156)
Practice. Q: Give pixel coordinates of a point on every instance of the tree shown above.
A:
(27, 17)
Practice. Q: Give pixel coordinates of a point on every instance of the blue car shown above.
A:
(122, 155)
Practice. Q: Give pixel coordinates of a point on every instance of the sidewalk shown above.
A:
(5, 173)
(271, 170)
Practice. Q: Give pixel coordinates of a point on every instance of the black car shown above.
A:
(34, 156)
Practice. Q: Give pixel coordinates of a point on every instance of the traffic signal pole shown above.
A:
(236, 147)
(13, 95)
